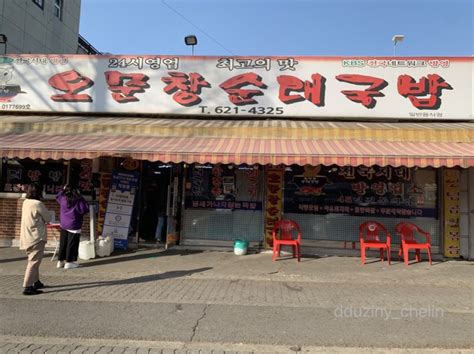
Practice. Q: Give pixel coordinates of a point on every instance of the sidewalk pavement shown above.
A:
(255, 266)
(318, 287)
(226, 279)
(12, 345)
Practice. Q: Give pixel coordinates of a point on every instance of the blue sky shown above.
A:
(280, 27)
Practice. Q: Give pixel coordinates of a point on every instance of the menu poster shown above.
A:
(20, 173)
(123, 189)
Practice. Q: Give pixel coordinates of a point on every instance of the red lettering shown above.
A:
(273, 188)
(313, 91)
(273, 199)
(359, 187)
(186, 88)
(366, 97)
(125, 86)
(70, 82)
(273, 211)
(431, 85)
(380, 188)
(239, 96)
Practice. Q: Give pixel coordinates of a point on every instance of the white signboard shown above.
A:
(124, 187)
(259, 87)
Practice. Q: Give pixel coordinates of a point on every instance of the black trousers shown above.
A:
(68, 246)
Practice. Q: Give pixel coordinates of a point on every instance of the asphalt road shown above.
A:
(351, 326)
(227, 324)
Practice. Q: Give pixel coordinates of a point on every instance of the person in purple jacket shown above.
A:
(73, 207)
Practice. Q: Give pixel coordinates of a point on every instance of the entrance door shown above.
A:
(154, 202)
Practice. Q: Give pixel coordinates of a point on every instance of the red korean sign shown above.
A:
(273, 201)
(270, 87)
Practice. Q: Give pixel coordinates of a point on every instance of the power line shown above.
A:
(194, 25)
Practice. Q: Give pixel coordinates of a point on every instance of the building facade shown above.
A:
(221, 148)
(40, 26)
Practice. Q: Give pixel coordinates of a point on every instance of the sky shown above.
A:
(280, 27)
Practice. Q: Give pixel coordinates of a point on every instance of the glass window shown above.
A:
(329, 202)
(398, 192)
(58, 8)
(40, 3)
(223, 203)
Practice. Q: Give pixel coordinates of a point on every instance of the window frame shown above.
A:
(39, 3)
(58, 7)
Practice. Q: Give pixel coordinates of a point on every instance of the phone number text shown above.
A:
(239, 110)
(15, 106)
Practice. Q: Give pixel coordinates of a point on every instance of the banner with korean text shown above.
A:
(360, 191)
(452, 231)
(273, 201)
(123, 189)
(431, 88)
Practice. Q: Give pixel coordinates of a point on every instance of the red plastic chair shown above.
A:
(407, 231)
(285, 228)
(369, 237)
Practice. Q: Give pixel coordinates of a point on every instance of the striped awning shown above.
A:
(239, 141)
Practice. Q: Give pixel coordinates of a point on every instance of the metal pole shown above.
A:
(92, 217)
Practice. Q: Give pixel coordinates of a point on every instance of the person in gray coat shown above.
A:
(34, 217)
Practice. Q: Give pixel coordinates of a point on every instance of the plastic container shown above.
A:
(111, 244)
(86, 250)
(240, 247)
(103, 247)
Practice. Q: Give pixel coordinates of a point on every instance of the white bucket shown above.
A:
(111, 244)
(104, 246)
(240, 247)
(86, 250)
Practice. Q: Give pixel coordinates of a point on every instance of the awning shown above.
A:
(238, 141)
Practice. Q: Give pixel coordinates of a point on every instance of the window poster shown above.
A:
(18, 174)
(81, 175)
(362, 191)
(222, 187)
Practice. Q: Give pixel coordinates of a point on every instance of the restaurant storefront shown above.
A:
(398, 146)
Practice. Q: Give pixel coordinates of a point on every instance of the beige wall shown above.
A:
(31, 29)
